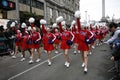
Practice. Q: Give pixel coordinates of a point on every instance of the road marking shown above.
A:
(11, 78)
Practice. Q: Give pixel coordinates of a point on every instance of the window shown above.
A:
(64, 15)
(23, 1)
(40, 5)
(57, 13)
(69, 17)
(51, 13)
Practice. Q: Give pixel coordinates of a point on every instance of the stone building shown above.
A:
(47, 9)
(65, 8)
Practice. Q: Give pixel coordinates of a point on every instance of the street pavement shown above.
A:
(98, 66)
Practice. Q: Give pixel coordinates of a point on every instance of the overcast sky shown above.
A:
(94, 8)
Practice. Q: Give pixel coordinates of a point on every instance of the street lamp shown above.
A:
(86, 17)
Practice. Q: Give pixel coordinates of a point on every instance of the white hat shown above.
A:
(12, 24)
(42, 21)
(77, 14)
(59, 19)
(31, 20)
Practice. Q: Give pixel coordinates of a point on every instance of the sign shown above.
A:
(7, 5)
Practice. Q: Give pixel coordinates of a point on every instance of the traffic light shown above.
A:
(7, 5)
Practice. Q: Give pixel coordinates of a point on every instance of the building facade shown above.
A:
(65, 8)
(47, 9)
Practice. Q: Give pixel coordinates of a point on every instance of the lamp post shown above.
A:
(86, 17)
(17, 10)
(30, 6)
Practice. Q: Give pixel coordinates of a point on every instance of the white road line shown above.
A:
(11, 78)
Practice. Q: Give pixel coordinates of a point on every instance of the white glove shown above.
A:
(87, 40)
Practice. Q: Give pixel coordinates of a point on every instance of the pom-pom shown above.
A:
(50, 41)
(63, 23)
(12, 24)
(31, 20)
(42, 21)
(69, 42)
(36, 42)
(73, 22)
(29, 42)
(59, 19)
(54, 25)
(77, 14)
(89, 41)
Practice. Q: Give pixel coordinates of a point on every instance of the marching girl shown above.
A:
(48, 40)
(97, 35)
(58, 38)
(35, 37)
(75, 32)
(93, 38)
(18, 42)
(67, 40)
(25, 44)
(83, 42)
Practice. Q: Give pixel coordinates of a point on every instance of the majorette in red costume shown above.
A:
(66, 35)
(36, 37)
(18, 38)
(57, 34)
(48, 37)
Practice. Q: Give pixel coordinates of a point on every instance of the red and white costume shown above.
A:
(58, 36)
(36, 37)
(18, 38)
(26, 37)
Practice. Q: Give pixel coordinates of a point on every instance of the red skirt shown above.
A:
(56, 41)
(18, 44)
(35, 46)
(76, 40)
(48, 47)
(64, 45)
(25, 46)
(83, 46)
